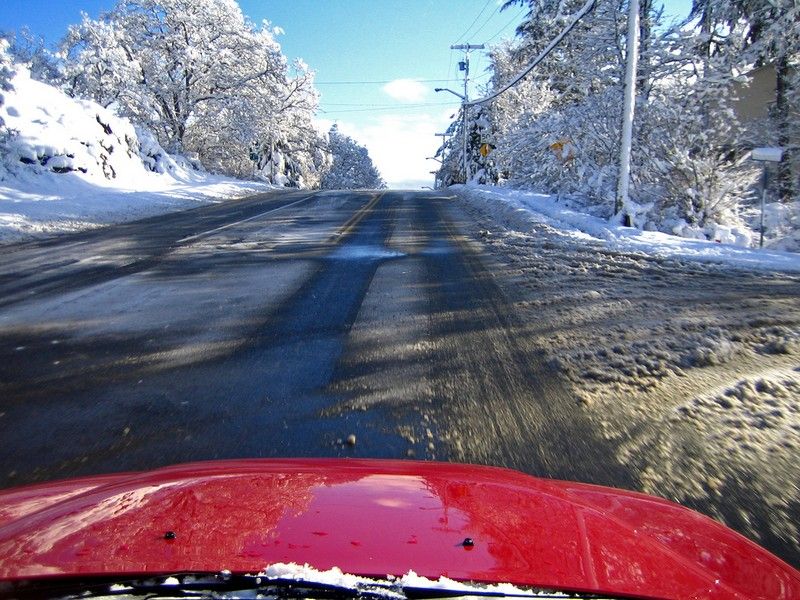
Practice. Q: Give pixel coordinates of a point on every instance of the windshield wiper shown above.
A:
(227, 585)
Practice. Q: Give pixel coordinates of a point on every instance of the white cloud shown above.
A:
(405, 90)
(399, 144)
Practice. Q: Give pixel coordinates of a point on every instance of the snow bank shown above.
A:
(745, 432)
(525, 211)
(688, 368)
(69, 164)
(781, 224)
(754, 418)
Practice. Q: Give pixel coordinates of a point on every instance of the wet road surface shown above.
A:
(276, 326)
(281, 324)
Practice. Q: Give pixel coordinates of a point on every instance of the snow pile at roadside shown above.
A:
(525, 211)
(52, 133)
(68, 164)
(756, 416)
(689, 368)
(749, 431)
(781, 222)
(672, 345)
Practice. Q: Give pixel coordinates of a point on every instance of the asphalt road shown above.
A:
(275, 326)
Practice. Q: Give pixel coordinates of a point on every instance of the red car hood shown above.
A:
(377, 518)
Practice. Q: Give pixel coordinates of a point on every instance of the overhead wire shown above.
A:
(486, 22)
(377, 81)
(467, 31)
(503, 28)
(586, 9)
(364, 107)
(374, 105)
(380, 108)
(450, 63)
(463, 35)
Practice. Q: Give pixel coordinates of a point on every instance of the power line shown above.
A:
(369, 104)
(486, 22)
(450, 62)
(485, 6)
(503, 28)
(377, 81)
(586, 9)
(380, 108)
(373, 105)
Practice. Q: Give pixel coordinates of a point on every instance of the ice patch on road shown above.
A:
(363, 252)
(314, 222)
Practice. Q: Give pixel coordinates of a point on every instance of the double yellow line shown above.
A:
(357, 217)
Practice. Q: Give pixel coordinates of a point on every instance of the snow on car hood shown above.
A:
(375, 518)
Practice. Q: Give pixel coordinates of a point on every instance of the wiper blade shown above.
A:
(227, 585)
(222, 585)
(422, 593)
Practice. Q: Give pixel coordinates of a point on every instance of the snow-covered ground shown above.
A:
(60, 203)
(684, 353)
(70, 164)
(521, 210)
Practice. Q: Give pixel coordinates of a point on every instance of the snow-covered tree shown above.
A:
(479, 134)
(690, 167)
(6, 67)
(6, 73)
(558, 130)
(352, 167)
(200, 76)
(31, 51)
(756, 33)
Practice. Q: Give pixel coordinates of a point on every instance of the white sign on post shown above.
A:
(767, 154)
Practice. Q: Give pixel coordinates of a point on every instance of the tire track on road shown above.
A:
(30, 269)
(518, 411)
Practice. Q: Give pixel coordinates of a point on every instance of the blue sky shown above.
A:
(363, 52)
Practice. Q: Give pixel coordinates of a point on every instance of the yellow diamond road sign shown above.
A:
(485, 149)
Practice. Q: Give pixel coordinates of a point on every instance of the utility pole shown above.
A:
(464, 66)
(765, 156)
(436, 172)
(444, 137)
(271, 160)
(632, 58)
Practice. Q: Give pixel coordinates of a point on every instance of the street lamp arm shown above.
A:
(463, 98)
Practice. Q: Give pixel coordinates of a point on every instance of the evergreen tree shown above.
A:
(352, 167)
(479, 135)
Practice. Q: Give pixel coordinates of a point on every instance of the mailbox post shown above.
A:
(765, 156)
